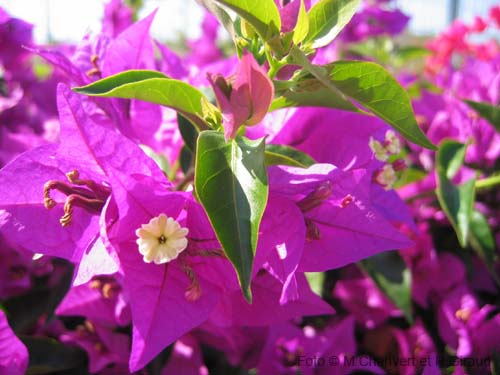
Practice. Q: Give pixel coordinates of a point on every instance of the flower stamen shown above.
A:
(193, 291)
(312, 231)
(95, 68)
(87, 194)
(316, 197)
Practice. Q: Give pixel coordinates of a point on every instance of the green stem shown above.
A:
(488, 182)
(187, 180)
(173, 171)
(273, 66)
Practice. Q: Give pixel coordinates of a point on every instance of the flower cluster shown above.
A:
(458, 40)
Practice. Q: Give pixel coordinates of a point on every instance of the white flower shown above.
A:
(386, 177)
(378, 149)
(392, 143)
(161, 240)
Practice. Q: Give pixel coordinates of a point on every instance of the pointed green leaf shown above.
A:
(286, 155)
(456, 201)
(160, 159)
(311, 92)
(231, 183)
(408, 176)
(185, 159)
(371, 86)
(301, 28)
(151, 87)
(374, 88)
(188, 132)
(327, 18)
(221, 15)
(489, 112)
(114, 81)
(262, 15)
(388, 270)
(495, 363)
(483, 242)
(316, 281)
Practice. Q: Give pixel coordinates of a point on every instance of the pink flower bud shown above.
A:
(245, 98)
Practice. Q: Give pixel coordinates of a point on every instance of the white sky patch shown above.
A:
(69, 20)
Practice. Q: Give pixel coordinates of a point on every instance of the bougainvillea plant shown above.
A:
(222, 214)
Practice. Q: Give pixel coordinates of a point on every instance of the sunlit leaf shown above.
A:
(153, 87)
(375, 89)
(286, 155)
(263, 16)
(371, 86)
(310, 92)
(302, 26)
(327, 18)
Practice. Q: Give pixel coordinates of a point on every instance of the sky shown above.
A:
(70, 20)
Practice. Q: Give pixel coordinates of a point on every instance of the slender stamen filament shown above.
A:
(193, 291)
(312, 231)
(316, 197)
(64, 188)
(207, 253)
(99, 190)
(73, 200)
(95, 68)
(88, 195)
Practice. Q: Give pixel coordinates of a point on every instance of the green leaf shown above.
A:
(185, 159)
(495, 363)
(408, 176)
(456, 201)
(327, 18)
(406, 54)
(286, 155)
(109, 83)
(316, 281)
(221, 15)
(263, 16)
(153, 87)
(160, 159)
(311, 92)
(489, 112)
(371, 86)
(375, 89)
(482, 238)
(483, 242)
(188, 132)
(47, 356)
(231, 183)
(301, 28)
(388, 270)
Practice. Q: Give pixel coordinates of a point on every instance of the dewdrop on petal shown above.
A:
(161, 240)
